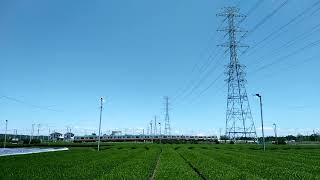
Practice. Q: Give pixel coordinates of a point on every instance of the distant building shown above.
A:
(14, 140)
(69, 136)
(55, 136)
(116, 133)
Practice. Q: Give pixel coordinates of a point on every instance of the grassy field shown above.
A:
(176, 161)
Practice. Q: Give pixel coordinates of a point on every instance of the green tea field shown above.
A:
(168, 161)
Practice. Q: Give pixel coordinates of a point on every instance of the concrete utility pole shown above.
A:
(155, 125)
(38, 131)
(261, 114)
(49, 136)
(31, 135)
(160, 131)
(101, 107)
(275, 132)
(5, 135)
(151, 128)
(15, 132)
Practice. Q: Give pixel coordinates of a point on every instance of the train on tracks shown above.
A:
(142, 138)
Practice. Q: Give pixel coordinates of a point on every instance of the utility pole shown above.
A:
(49, 136)
(15, 132)
(101, 107)
(31, 135)
(5, 135)
(160, 131)
(38, 131)
(261, 114)
(167, 127)
(275, 132)
(239, 121)
(155, 125)
(151, 131)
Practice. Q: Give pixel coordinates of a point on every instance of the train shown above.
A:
(142, 138)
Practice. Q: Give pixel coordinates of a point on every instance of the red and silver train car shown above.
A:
(126, 138)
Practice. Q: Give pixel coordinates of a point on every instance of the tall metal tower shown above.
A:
(167, 127)
(239, 121)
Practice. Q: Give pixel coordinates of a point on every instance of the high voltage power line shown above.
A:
(202, 80)
(193, 82)
(254, 7)
(310, 45)
(295, 18)
(28, 104)
(300, 17)
(199, 68)
(265, 19)
(208, 87)
(289, 67)
(299, 37)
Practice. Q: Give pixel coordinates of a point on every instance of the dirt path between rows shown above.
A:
(156, 167)
(194, 168)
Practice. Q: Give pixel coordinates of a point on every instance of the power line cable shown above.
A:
(301, 14)
(310, 45)
(208, 87)
(200, 69)
(28, 104)
(290, 43)
(265, 19)
(252, 9)
(192, 89)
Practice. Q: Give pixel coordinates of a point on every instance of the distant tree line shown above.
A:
(283, 139)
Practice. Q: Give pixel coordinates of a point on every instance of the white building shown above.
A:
(55, 136)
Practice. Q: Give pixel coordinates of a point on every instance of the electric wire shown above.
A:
(265, 19)
(310, 45)
(301, 14)
(28, 104)
(289, 43)
(199, 69)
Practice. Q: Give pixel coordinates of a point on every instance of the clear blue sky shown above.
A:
(57, 58)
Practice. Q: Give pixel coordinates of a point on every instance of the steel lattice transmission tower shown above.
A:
(167, 127)
(239, 121)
